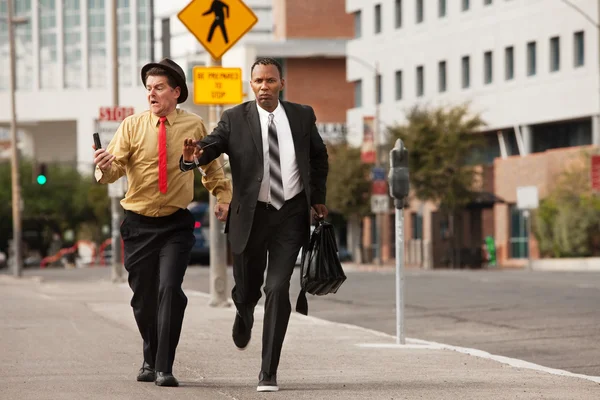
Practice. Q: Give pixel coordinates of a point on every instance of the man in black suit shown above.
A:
(279, 169)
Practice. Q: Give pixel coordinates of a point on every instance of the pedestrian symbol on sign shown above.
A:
(218, 7)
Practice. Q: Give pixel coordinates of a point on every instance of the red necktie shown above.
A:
(162, 155)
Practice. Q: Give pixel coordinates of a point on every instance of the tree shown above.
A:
(442, 144)
(566, 223)
(348, 190)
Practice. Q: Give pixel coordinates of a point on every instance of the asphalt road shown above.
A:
(549, 318)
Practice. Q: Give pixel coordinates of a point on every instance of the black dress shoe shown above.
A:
(146, 373)
(241, 333)
(166, 379)
(267, 382)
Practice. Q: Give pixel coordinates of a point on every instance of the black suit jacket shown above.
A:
(239, 135)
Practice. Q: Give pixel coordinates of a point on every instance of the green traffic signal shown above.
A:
(41, 179)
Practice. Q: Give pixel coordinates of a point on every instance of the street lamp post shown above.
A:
(377, 143)
(17, 259)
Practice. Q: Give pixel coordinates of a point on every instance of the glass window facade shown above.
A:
(48, 44)
(97, 75)
(143, 31)
(23, 46)
(72, 43)
(124, 40)
(519, 234)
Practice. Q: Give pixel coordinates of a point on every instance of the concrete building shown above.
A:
(528, 67)
(64, 73)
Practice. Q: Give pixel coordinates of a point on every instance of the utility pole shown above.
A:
(377, 142)
(115, 207)
(218, 243)
(16, 186)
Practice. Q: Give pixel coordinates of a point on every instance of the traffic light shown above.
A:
(398, 176)
(41, 177)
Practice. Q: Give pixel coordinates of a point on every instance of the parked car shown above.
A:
(201, 250)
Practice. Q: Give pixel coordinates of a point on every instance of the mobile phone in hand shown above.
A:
(97, 142)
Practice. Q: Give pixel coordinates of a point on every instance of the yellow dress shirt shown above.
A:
(135, 147)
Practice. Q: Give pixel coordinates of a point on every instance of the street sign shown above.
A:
(216, 85)
(379, 187)
(380, 203)
(595, 173)
(109, 119)
(115, 113)
(217, 24)
(378, 174)
(527, 197)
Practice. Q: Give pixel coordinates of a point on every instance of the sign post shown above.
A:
(108, 122)
(217, 25)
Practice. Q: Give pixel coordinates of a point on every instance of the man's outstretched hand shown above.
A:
(190, 150)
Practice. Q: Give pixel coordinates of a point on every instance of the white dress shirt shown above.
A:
(292, 184)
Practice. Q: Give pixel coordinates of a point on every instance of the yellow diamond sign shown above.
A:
(217, 24)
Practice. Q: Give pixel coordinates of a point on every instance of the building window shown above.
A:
(466, 72)
(24, 44)
(48, 44)
(72, 43)
(441, 8)
(358, 94)
(487, 2)
(509, 63)
(519, 234)
(357, 24)
(97, 72)
(398, 9)
(531, 67)
(416, 222)
(442, 76)
(378, 88)
(554, 54)
(420, 11)
(559, 135)
(420, 81)
(398, 85)
(378, 18)
(466, 4)
(487, 67)
(579, 46)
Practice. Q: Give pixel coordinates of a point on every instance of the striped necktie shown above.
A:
(277, 197)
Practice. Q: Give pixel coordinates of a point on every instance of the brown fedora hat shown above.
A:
(174, 70)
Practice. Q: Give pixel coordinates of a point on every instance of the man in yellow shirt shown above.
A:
(158, 229)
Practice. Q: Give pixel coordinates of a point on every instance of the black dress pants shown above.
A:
(157, 252)
(276, 237)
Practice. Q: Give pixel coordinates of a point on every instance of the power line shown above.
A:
(580, 11)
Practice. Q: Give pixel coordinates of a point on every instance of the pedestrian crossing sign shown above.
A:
(217, 24)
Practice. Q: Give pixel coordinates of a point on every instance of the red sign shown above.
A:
(367, 150)
(115, 113)
(595, 173)
(379, 187)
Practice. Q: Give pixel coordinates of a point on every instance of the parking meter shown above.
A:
(398, 175)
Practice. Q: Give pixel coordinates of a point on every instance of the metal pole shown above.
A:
(218, 242)
(16, 187)
(115, 208)
(379, 216)
(527, 215)
(400, 337)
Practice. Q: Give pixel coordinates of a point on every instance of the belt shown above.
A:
(270, 206)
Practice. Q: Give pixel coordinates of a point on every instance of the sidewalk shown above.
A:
(79, 340)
